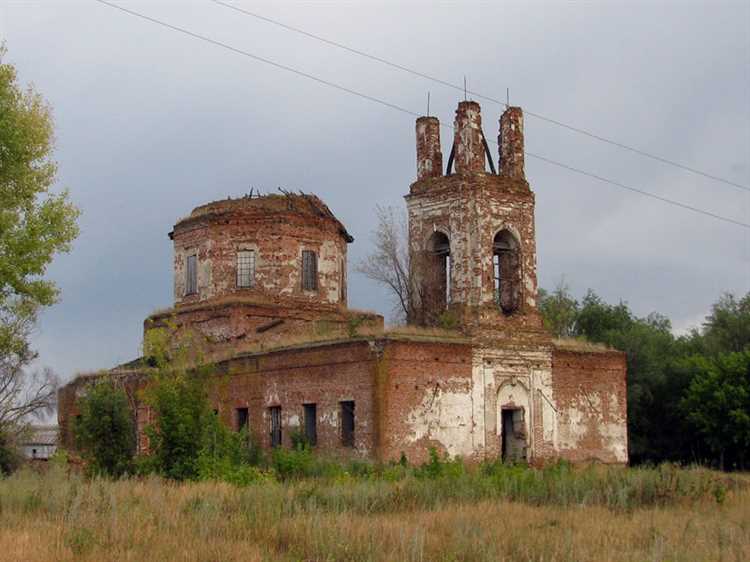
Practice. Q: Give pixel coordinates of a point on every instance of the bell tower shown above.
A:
(471, 229)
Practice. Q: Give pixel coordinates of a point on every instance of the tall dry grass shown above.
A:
(60, 516)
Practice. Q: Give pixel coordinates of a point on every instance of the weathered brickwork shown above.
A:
(471, 208)
(425, 399)
(429, 156)
(495, 385)
(590, 394)
(278, 228)
(510, 141)
(271, 303)
(468, 141)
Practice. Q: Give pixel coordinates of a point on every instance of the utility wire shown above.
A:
(402, 109)
(481, 96)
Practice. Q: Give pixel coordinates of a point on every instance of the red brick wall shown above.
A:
(278, 228)
(416, 377)
(324, 374)
(589, 390)
(409, 396)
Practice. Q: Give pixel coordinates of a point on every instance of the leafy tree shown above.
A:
(599, 321)
(559, 310)
(105, 432)
(717, 404)
(649, 348)
(678, 388)
(35, 224)
(727, 328)
(183, 418)
(185, 424)
(9, 455)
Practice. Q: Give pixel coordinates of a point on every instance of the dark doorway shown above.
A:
(275, 426)
(513, 435)
(311, 424)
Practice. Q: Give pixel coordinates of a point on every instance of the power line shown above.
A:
(636, 190)
(481, 96)
(400, 108)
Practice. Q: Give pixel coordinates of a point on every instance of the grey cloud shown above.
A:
(151, 124)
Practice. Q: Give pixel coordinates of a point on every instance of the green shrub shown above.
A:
(225, 469)
(299, 440)
(294, 463)
(10, 459)
(439, 468)
(105, 432)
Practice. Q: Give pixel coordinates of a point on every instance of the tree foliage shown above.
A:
(105, 431)
(186, 440)
(686, 395)
(559, 310)
(717, 404)
(35, 224)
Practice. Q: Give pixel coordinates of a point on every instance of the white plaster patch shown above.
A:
(445, 417)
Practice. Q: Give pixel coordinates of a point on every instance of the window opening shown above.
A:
(245, 268)
(507, 271)
(243, 419)
(191, 283)
(342, 282)
(311, 424)
(438, 272)
(347, 423)
(309, 270)
(275, 426)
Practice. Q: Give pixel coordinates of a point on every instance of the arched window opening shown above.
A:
(438, 272)
(342, 281)
(506, 259)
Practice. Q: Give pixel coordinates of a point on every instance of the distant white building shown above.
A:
(41, 443)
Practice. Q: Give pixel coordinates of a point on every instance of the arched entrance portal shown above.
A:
(513, 415)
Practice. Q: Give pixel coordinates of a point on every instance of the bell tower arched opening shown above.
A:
(506, 262)
(437, 270)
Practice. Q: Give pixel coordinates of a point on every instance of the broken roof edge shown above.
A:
(582, 346)
(299, 203)
(119, 371)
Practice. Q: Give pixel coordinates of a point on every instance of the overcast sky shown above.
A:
(151, 123)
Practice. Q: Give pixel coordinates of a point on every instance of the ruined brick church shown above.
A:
(263, 282)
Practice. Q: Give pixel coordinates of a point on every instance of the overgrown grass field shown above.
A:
(441, 511)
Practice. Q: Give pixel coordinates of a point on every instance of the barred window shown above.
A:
(246, 268)
(275, 425)
(191, 282)
(309, 270)
(311, 420)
